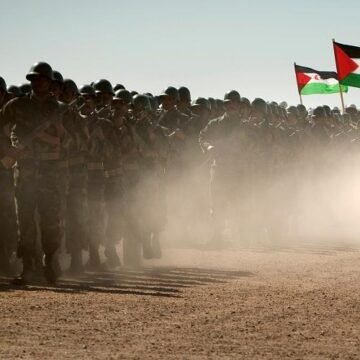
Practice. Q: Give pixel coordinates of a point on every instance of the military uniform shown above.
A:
(37, 182)
(76, 204)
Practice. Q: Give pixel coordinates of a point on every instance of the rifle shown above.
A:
(8, 161)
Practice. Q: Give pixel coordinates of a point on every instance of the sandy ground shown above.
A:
(298, 303)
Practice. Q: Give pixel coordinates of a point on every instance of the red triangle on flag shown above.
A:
(345, 65)
(302, 79)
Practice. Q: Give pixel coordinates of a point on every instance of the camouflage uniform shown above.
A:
(76, 203)
(230, 142)
(37, 181)
(8, 221)
(96, 183)
(153, 147)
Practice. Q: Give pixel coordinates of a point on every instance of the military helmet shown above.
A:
(327, 110)
(172, 92)
(319, 112)
(25, 88)
(87, 90)
(232, 95)
(302, 109)
(70, 85)
(118, 87)
(212, 103)
(335, 110)
(219, 104)
(292, 110)
(260, 105)
(273, 109)
(58, 77)
(153, 102)
(40, 69)
(184, 93)
(124, 95)
(141, 102)
(2, 84)
(284, 104)
(103, 86)
(352, 110)
(245, 101)
(201, 102)
(14, 90)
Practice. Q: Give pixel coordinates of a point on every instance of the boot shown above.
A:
(76, 265)
(156, 248)
(26, 275)
(50, 269)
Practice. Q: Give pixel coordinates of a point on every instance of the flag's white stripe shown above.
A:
(357, 71)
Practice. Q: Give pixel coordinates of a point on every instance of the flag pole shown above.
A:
(301, 101)
(340, 88)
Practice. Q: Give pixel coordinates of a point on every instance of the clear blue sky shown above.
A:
(209, 46)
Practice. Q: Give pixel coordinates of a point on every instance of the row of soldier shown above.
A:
(73, 157)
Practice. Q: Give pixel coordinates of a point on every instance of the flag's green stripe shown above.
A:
(352, 80)
(318, 88)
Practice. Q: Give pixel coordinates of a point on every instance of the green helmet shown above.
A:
(232, 95)
(184, 93)
(318, 112)
(212, 103)
(124, 95)
(292, 110)
(69, 85)
(201, 102)
(25, 88)
(40, 69)
(171, 92)
(14, 90)
(245, 101)
(87, 90)
(118, 87)
(141, 102)
(219, 105)
(2, 84)
(103, 86)
(260, 105)
(58, 77)
(302, 109)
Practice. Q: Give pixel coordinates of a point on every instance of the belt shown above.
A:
(76, 161)
(131, 167)
(113, 172)
(48, 156)
(95, 166)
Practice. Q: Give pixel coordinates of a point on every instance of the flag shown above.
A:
(347, 59)
(312, 81)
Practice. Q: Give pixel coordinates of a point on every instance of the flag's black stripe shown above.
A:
(350, 50)
(322, 74)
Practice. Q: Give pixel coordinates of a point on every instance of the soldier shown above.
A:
(113, 122)
(36, 123)
(95, 187)
(171, 117)
(7, 197)
(184, 102)
(153, 147)
(76, 202)
(230, 143)
(57, 85)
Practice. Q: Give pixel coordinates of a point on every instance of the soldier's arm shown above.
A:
(207, 136)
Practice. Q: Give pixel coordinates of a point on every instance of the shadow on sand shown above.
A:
(159, 281)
